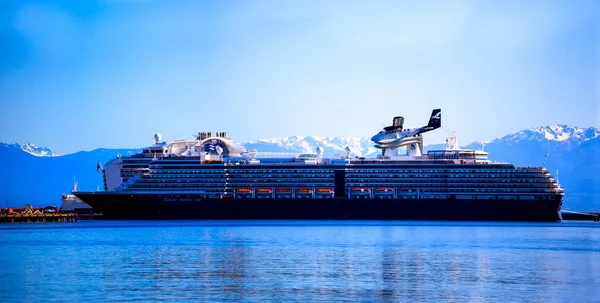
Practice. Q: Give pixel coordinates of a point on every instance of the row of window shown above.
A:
(231, 180)
(350, 173)
(449, 181)
(382, 175)
(210, 185)
(282, 185)
(158, 177)
(324, 175)
(349, 170)
(205, 189)
(463, 194)
(454, 185)
(245, 170)
(188, 171)
(451, 170)
(237, 185)
(282, 180)
(490, 190)
(187, 180)
(350, 176)
(329, 185)
(354, 182)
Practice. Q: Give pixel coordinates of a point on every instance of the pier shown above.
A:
(38, 218)
(29, 214)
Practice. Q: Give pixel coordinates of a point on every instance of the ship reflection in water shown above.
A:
(303, 261)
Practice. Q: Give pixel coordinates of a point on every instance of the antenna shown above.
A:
(75, 187)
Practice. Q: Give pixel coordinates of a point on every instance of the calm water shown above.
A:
(193, 261)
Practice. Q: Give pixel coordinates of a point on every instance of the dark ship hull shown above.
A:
(190, 206)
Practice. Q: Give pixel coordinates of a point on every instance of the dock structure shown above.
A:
(38, 218)
(29, 214)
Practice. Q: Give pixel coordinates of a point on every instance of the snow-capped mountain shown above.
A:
(33, 149)
(37, 150)
(359, 146)
(545, 137)
(565, 134)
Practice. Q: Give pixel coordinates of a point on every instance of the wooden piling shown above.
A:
(38, 218)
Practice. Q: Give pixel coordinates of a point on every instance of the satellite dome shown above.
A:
(319, 150)
(157, 137)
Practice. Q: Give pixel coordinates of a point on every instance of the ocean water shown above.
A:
(299, 261)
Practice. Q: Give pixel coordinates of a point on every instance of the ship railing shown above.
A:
(533, 169)
(486, 185)
(360, 191)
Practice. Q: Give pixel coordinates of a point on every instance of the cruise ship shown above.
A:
(214, 177)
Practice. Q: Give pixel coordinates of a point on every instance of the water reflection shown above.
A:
(292, 261)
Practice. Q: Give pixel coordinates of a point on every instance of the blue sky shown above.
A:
(77, 75)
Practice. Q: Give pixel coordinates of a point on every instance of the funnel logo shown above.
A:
(212, 146)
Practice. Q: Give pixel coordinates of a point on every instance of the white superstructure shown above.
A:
(71, 203)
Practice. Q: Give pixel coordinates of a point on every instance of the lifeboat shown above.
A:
(283, 193)
(227, 196)
(243, 191)
(212, 162)
(360, 191)
(304, 193)
(264, 191)
(324, 191)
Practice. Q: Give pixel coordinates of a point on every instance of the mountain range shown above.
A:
(33, 149)
(37, 176)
